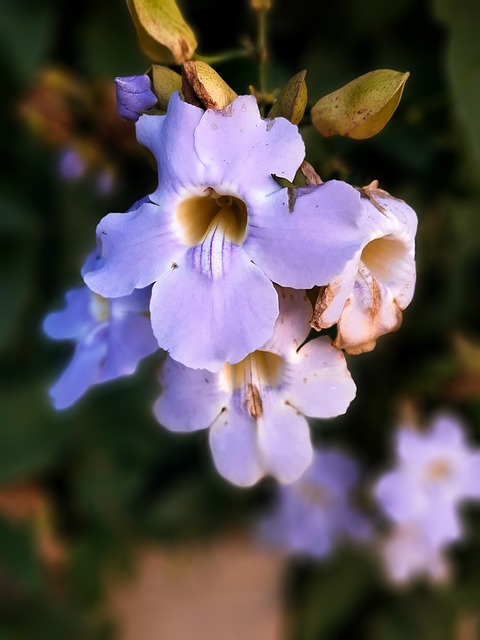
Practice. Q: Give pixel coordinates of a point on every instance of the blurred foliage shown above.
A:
(104, 476)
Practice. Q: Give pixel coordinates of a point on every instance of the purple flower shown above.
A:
(219, 230)
(255, 409)
(111, 337)
(134, 96)
(367, 299)
(311, 516)
(436, 471)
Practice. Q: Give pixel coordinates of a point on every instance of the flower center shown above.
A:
(199, 215)
(100, 307)
(383, 257)
(258, 370)
(438, 470)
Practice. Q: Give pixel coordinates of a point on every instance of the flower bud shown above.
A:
(134, 95)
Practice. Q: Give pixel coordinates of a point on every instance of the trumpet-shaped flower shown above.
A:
(311, 516)
(256, 409)
(435, 473)
(367, 299)
(111, 337)
(219, 230)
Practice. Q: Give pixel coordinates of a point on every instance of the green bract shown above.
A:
(361, 108)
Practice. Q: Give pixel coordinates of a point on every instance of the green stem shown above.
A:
(221, 57)
(262, 50)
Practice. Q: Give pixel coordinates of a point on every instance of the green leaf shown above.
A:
(164, 35)
(361, 108)
(292, 101)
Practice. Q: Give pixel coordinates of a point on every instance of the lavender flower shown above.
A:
(255, 409)
(311, 516)
(111, 337)
(367, 299)
(435, 472)
(134, 96)
(219, 230)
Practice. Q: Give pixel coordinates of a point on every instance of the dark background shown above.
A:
(80, 490)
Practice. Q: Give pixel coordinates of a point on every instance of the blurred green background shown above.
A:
(80, 490)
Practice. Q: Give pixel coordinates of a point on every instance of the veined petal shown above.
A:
(74, 320)
(319, 383)
(284, 443)
(171, 140)
(307, 242)
(370, 312)
(83, 371)
(214, 307)
(233, 442)
(242, 149)
(191, 399)
(137, 248)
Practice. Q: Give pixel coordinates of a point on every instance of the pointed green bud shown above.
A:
(165, 81)
(203, 87)
(362, 107)
(163, 34)
(292, 101)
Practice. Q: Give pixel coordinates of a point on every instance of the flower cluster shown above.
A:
(231, 275)
(435, 472)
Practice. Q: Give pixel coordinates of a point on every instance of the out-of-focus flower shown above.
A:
(111, 337)
(255, 409)
(367, 299)
(407, 554)
(219, 230)
(134, 96)
(311, 516)
(435, 471)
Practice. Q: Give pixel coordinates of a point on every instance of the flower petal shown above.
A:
(291, 327)
(74, 320)
(83, 371)
(191, 399)
(320, 385)
(371, 311)
(284, 441)
(233, 442)
(137, 248)
(243, 150)
(130, 339)
(171, 140)
(215, 307)
(308, 242)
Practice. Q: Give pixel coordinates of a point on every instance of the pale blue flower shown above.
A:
(110, 336)
(219, 231)
(256, 409)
